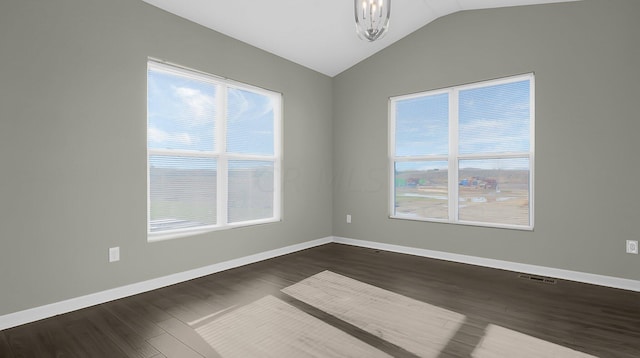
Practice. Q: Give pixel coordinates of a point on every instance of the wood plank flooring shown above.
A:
(497, 313)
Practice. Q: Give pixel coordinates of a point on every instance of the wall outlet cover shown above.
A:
(632, 247)
(114, 254)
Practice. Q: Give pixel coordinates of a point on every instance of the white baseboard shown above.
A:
(600, 280)
(53, 309)
(50, 310)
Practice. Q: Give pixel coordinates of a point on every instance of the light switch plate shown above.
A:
(114, 254)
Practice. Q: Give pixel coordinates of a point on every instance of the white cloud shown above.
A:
(183, 138)
(256, 105)
(157, 135)
(201, 106)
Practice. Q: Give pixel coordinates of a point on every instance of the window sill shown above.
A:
(180, 233)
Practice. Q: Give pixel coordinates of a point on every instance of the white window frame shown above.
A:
(454, 157)
(219, 153)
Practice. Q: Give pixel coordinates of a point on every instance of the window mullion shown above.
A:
(391, 151)
(532, 141)
(235, 156)
(223, 168)
(453, 155)
(421, 158)
(277, 153)
(495, 155)
(182, 153)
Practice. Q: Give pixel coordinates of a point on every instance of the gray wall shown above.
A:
(73, 147)
(72, 139)
(585, 56)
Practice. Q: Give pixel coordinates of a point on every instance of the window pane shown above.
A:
(421, 189)
(181, 112)
(494, 191)
(495, 119)
(250, 122)
(182, 192)
(251, 190)
(422, 126)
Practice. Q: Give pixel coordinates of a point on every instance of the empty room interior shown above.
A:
(464, 186)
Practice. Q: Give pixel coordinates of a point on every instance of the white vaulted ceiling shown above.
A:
(317, 34)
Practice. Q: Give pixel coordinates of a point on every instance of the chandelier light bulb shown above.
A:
(372, 18)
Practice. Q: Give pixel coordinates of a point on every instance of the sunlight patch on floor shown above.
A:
(502, 342)
(416, 326)
(270, 327)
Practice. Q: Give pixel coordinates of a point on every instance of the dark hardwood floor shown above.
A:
(598, 321)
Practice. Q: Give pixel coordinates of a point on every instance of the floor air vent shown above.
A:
(542, 279)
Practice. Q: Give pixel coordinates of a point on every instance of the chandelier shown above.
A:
(372, 18)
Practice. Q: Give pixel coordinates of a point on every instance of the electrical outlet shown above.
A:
(348, 219)
(114, 254)
(632, 247)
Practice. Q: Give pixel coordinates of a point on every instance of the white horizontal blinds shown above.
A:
(181, 140)
(421, 189)
(182, 192)
(421, 162)
(250, 123)
(422, 125)
(465, 154)
(251, 190)
(495, 119)
(181, 110)
(214, 152)
(494, 153)
(251, 149)
(494, 191)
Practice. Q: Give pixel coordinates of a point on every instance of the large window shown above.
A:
(465, 154)
(213, 153)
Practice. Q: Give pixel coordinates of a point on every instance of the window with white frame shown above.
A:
(464, 154)
(214, 152)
